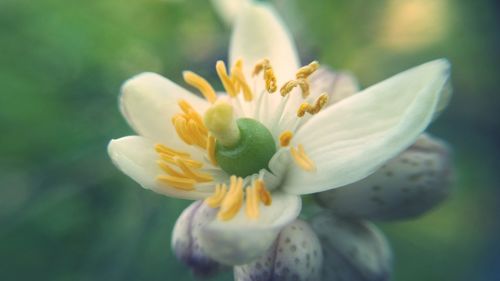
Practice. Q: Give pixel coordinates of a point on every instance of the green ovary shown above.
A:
(251, 153)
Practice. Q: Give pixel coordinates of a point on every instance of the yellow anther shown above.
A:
(179, 123)
(197, 137)
(215, 200)
(220, 67)
(239, 80)
(288, 87)
(201, 84)
(185, 106)
(211, 149)
(269, 76)
(285, 138)
(252, 202)
(264, 194)
(189, 126)
(198, 177)
(220, 121)
(165, 167)
(160, 148)
(173, 160)
(232, 201)
(307, 70)
(313, 109)
(301, 80)
(301, 159)
(177, 182)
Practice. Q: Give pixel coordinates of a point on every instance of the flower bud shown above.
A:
(295, 255)
(352, 250)
(406, 186)
(185, 239)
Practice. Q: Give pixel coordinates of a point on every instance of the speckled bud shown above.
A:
(295, 255)
(406, 186)
(353, 250)
(185, 240)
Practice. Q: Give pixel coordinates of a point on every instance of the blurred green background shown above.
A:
(66, 213)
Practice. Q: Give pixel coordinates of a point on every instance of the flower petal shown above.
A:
(228, 9)
(295, 255)
(135, 156)
(185, 241)
(149, 101)
(337, 84)
(352, 138)
(241, 240)
(260, 33)
(415, 181)
(352, 250)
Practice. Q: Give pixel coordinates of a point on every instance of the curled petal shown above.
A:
(185, 240)
(240, 239)
(295, 255)
(352, 138)
(352, 250)
(408, 185)
(135, 156)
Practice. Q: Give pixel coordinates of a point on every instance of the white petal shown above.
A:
(352, 138)
(229, 9)
(149, 101)
(409, 185)
(240, 240)
(337, 84)
(260, 33)
(295, 255)
(352, 250)
(135, 156)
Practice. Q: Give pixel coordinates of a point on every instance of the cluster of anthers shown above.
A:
(184, 172)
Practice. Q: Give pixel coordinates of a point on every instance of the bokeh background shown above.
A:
(66, 213)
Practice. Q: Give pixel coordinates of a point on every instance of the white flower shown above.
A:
(306, 144)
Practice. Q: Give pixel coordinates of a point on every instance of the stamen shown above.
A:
(239, 80)
(301, 159)
(306, 71)
(288, 87)
(211, 149)
(301, 80)
(264, 194)
(269, 76)
(285, 138)
(201, 84)
(252, 203)
(232, 201)
(189, 162)
(189, 126)
(198, 177)
(179, 123)
(220, 67)
(165, 167)
(160, 148)
(215, 200)
(312, 109)
(177, 182)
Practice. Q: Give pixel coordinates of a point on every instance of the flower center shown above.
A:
(243, 146)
